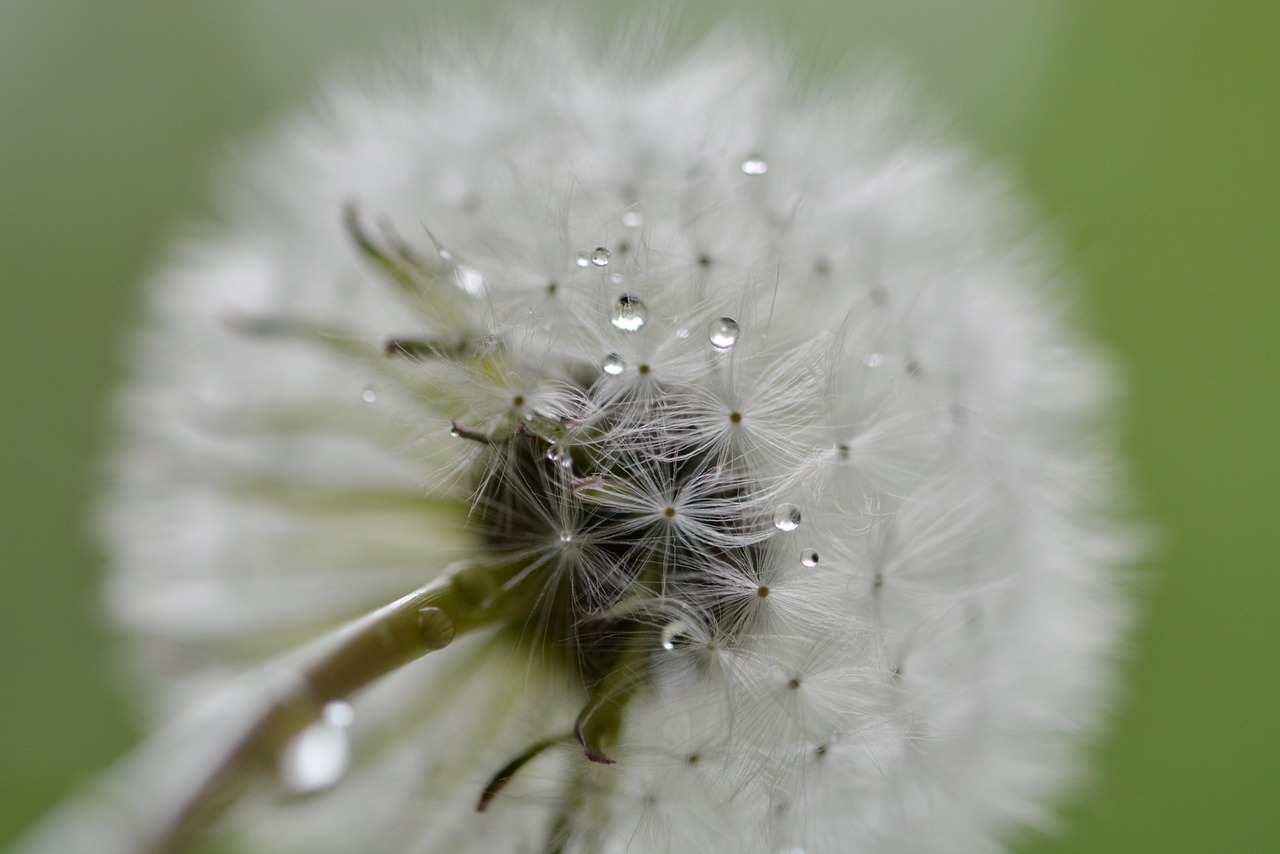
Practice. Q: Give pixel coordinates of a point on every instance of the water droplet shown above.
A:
(628, 314)
(786, 517)
(724, 333)
(338, 714)
(561, 457)
(369, 395)
(319, 755)
(600, 257)
(435, 628)
(675, 634)
(682, 333)
(566, 536)
(632, 219)
(873, 360)
(469, 279)
(809, 558)
(582, 259)
(615, 278)
(754, 165)
(613, 364)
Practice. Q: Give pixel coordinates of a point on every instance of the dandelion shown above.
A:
(750, 485)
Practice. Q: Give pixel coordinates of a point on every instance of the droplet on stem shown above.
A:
(435, 628)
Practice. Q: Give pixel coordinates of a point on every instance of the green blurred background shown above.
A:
(1148, 134)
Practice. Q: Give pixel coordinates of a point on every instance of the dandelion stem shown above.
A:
(175, 785)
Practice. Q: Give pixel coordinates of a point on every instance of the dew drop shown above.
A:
(786, 517)
(615, 278)
(566, 537)
(600, 257)
(675, 634)
(724, 333)
(754, 165)
(682, 333)
(628, 313)
(632, 219)
(613, 364)
(582, 259)
(469, 279)
(809, 558)
(339, 714)
(319, 756)
(435, 628)
(369, 395)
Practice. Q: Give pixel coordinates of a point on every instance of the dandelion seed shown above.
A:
(615, 639)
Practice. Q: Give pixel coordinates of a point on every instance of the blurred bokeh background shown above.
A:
(1148, 134)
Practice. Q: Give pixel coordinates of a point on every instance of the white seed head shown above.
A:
(514, 251)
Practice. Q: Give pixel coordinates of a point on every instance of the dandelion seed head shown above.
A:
(505, 260)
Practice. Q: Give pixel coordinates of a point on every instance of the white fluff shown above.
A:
(902, 373)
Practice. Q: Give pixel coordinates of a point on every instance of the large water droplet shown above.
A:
(435, 628)
(369, 395)
(786, 517)
(724, 333)
(632, 219)
(613, 364)
(809, 558)
(600, 257)
(582, 259)
(754, 165)
(319, 755)
(469, 279)
(675, 634)
(629, 313)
